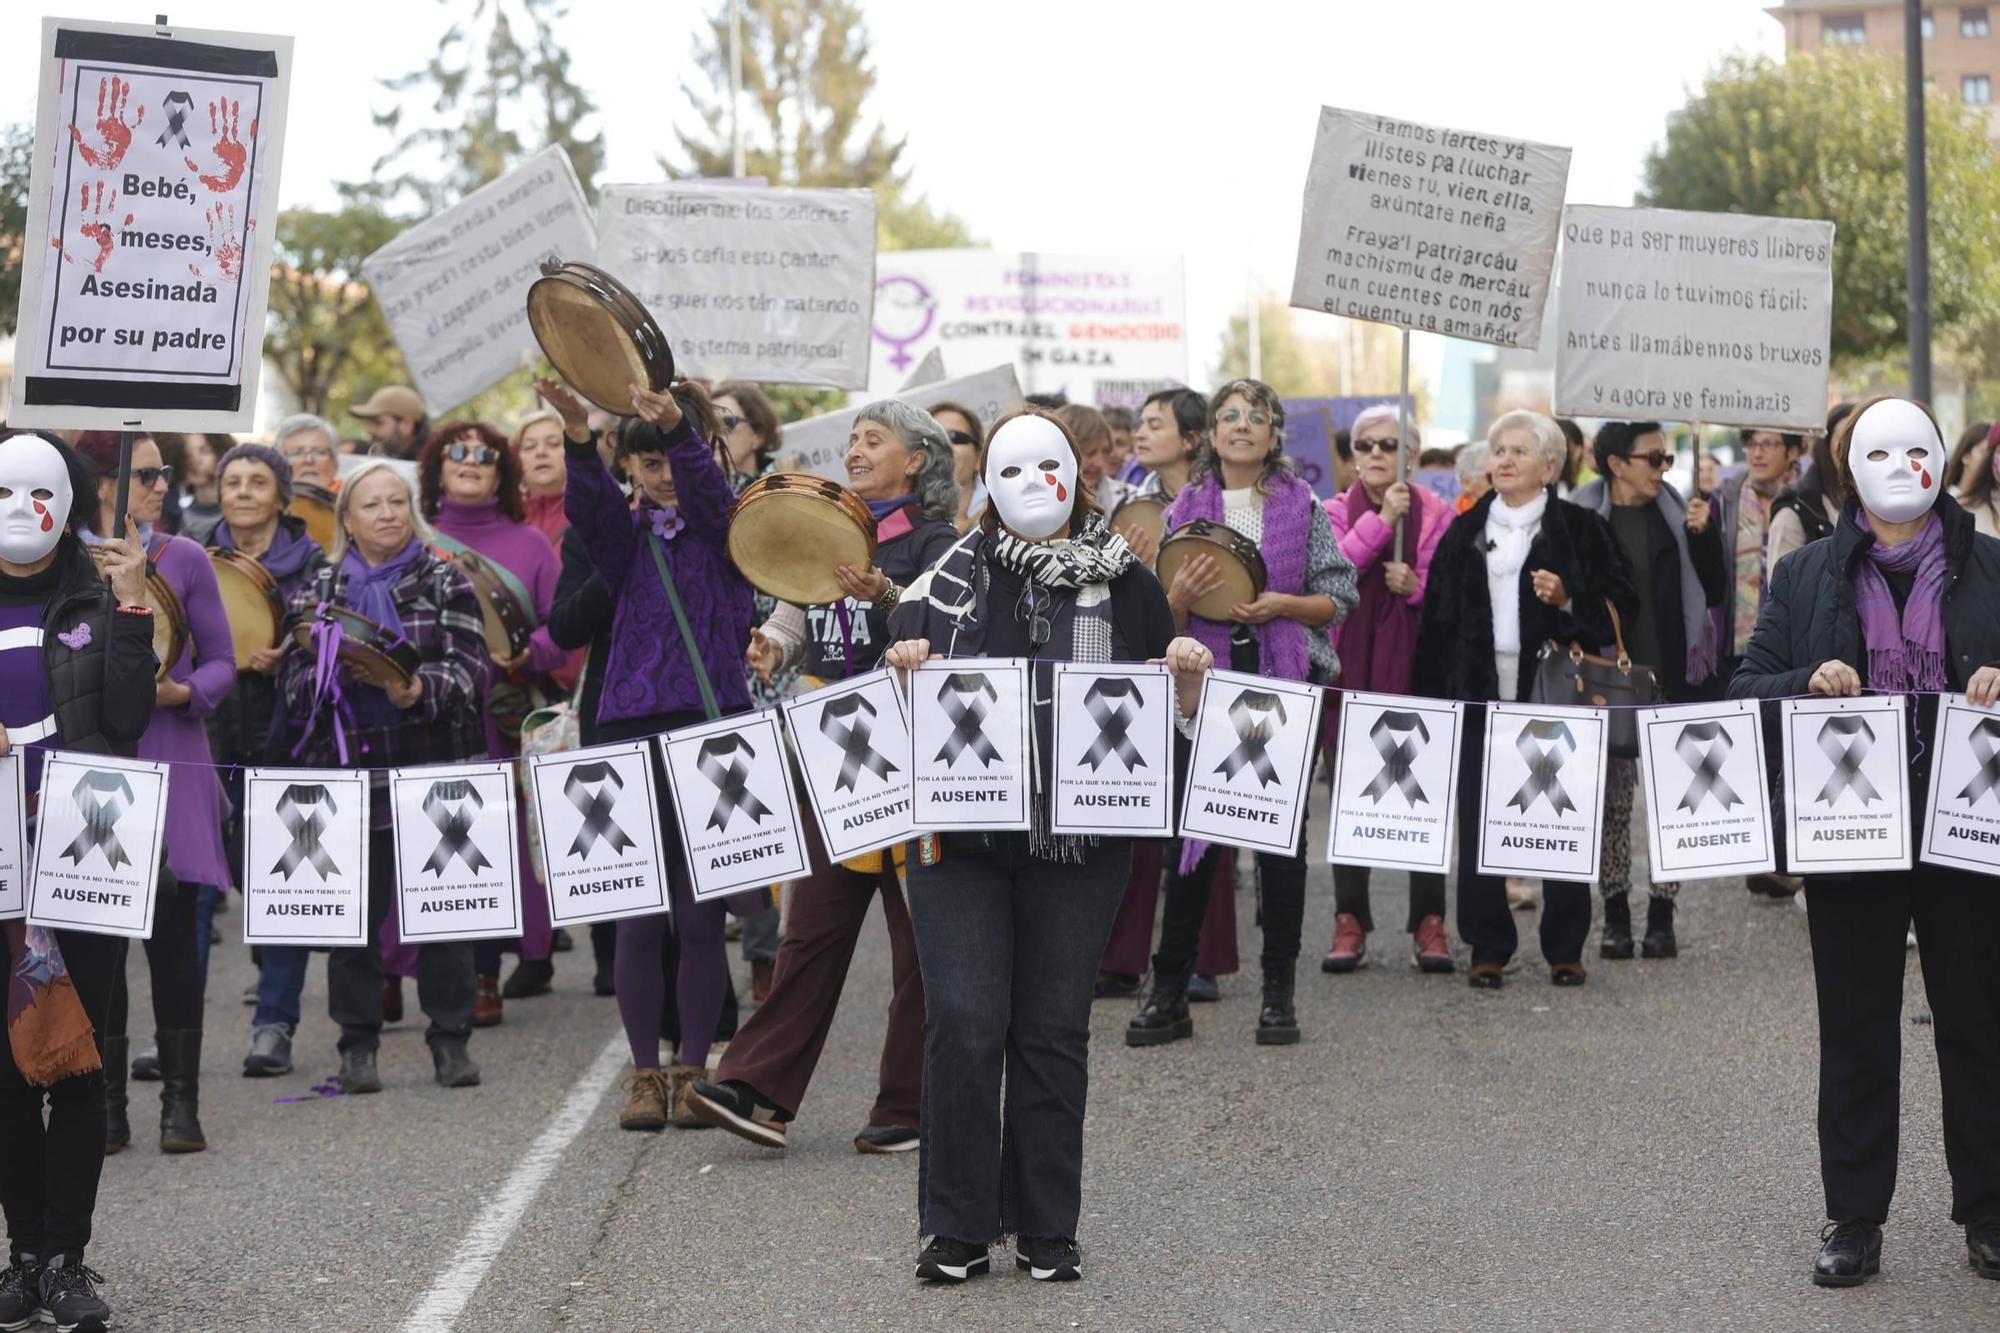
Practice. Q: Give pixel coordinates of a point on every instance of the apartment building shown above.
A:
(1961, 54)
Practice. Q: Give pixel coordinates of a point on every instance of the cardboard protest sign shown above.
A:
(98, 830)
(853, 743)
(598, 814)
(1253, 749)
(739, 818)
(455, 286)
(1708, 812)
(457, 857)
(819, 444)
(754, 284)
(1443, 230)
(305, 856)
(969, 720)
(1395, 783)
(1113, 768)
(1714, 317)
(1847, 800)
(1543, 781)
(13, 838)
(151, 213)
(1962, 828)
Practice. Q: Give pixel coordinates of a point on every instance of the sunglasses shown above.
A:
(1372, 446)
(1660, 459)
(729, 420)
(1033, 611)
(479, 455)
(149, 477)
(961, 437)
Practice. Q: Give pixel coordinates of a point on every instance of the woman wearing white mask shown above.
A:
(1900, 599)
(1010, 925)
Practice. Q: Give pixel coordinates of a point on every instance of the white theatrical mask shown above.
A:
(1897, 458)
(34, 498)
(1031, 476)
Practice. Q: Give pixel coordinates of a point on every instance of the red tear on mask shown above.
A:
(1927, 480)
(1062, 493)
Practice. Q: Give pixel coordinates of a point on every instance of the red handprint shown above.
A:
(98, 225)
(223, 120)
(113, 97)
(222, 240)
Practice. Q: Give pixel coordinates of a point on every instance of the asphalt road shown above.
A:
(1637, 1154)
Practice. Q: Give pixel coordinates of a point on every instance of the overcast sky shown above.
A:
(1078, 126)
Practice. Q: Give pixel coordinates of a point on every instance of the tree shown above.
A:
(1822, 136)
(327, 338)
(17, 146)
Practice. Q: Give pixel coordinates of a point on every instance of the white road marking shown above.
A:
(494, 1227)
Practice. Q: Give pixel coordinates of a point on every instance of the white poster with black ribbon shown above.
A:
(1252, 758)
(970, 746)
(1847, 794)
(97, 844)
(1708, 812)
(305, 857)
(1395, 783)
(739, 816)
(1114, 761)
(1962, 828)
(1544, 791)
(853, 743)
(13, 838)
(598, 814)
(457, 863)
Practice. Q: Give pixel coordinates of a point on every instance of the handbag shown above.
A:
(1573, 678)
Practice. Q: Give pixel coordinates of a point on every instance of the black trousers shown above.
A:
(1485, 921)
(49, 1170)
(354, 976)
(1350, 894)
(1281, 905)
(1858, 926)
(173, 958)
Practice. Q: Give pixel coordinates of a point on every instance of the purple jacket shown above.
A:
(647, 670)
(207, 666)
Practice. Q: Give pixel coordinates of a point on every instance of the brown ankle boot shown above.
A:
(486, 1010)
(645, 1101)
(682, 1079)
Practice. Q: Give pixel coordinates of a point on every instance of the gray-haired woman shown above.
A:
(900, 461)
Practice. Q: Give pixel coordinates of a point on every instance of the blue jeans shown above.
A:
(281, 979)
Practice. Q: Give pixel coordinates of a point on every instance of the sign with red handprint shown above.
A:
(156, 165)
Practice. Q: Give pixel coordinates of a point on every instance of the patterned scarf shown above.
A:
(47, 1030)
(1753, 522)
(1906, 650)
(1096, 555)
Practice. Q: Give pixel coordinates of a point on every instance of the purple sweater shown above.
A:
(207, 666)
(524, 552)
(647, 670)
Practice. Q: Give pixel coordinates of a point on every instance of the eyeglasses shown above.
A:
(149, 477)
(1371, 446)
(1236, 414)
(729, 420)
(477, 454)
(1759, 443)
(960, 437)
(1659, 459)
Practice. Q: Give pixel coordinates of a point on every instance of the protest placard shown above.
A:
(853, 743)
(819, 444)
(13, 837)
(1544, 791)
(1847, 798)
(455, 286)
(1708, 812)
(739, 818)
(152, 207)
(969, 720)
(97, 844)
(599, 818)
(1443, 230)
(1113, 768)
(1253, 748)
(1713, 317)
(305, 857)
(1395, 782)
(1962, 829)
(457, 859)
(752, 284)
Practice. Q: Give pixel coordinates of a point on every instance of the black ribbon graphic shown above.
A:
(1988, 777)
(102, 798)
(852, 738)
(1545, 744)
(731, 779)
(1111, 702)
(1399, 737)
(1702, 746)
(967, 712)
(454, 826)
(178, 106)
(593, 789)
(306, 825)
(1846, 741)
(1251, 715)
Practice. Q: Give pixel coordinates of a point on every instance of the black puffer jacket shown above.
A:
(1455, 643)
(102, 688)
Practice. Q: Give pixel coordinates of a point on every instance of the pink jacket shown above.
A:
(1370, 540)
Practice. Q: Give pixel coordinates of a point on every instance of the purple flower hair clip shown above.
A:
(667, 523)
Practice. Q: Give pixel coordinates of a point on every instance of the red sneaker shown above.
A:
(1350, 942)
(1430, 950)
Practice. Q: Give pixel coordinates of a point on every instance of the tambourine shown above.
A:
(788, 530)
(1148, 513)
(252, 601)
(508, 624)
(314, 504)
(1236, 557)
(597, 335)
(169, 620)
(373, 655)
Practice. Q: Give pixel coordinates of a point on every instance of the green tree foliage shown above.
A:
(327, 338)
(1282, 355)
(17, 145)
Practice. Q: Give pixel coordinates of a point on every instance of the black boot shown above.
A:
(117, 1125)
(1616, 941)
(530, 977)
(1164, 1015)
(1278, 1022)
(180, 1091)
(1659, 941)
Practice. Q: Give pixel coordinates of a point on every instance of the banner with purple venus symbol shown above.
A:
(1395, 782)
(598, 814)
(1708, 813)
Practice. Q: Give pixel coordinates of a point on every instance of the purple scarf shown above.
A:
(1288, 504)
(1377, 643)
(1905, 652)
(370, 591)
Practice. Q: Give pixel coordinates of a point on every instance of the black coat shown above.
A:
(1455, 642)
(102, 690)
(580, 616)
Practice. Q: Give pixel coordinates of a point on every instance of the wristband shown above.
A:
(146, 611)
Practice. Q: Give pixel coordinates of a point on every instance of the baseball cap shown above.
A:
(391, 400)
